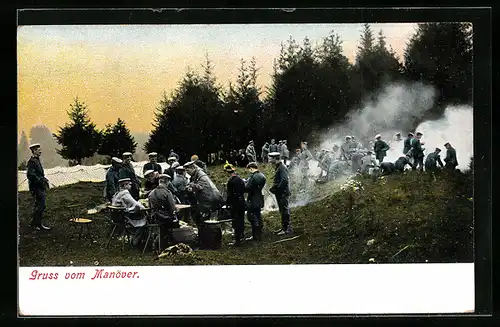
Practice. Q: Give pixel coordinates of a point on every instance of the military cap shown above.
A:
(180, 168)
(378, 136)
(152, 154)
(348, 137)
(127, 154)
(175, 165)
(410, 134)
(147, 172)
(118, 160)
(171, 158)
(447, 143)
(188, 164)
(252, 165)
(124, 180)
(438, 150)
(163, 176)
(274, 154)
(34, 145)
(419, 134)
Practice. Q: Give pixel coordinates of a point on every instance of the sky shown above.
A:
(122, 71)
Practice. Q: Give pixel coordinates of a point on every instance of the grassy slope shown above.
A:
(431, 219)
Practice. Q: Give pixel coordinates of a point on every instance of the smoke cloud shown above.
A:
(393, 110)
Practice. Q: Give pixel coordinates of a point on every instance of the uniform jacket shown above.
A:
(207, 195)
(451, 156)
(112, 177)
(254, 185)
(281, 186)
(235, 192)
(162, 201)
(36, 175)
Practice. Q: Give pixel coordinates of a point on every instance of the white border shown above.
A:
(249, 290)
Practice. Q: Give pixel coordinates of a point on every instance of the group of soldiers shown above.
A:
(178, 184)
(352, 157)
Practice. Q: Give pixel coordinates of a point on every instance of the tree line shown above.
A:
(311, 89)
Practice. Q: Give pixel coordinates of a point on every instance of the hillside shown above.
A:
(410, 218)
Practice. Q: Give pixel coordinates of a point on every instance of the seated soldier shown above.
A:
(401, 163)
(124, 199)
(163, 210)
(150, 183)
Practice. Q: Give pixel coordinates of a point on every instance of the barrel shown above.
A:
(210, 236)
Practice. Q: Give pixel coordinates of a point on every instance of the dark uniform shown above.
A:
(201, 164)
(380, 148)
(163, 210)
(170, 172)
(432, 160)
(38, 184)
(112, 177)
(150, 185)
(273, 147)
(236, 204)
(281, 189)
(387, 168)
(255, 202)
(127, 171)
(407, 145)
(417, 154)
(400, 164)
(451, 158)
(152, 166)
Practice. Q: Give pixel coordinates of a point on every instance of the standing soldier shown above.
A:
(451, 157)
(345, 149)
(418, 152)
(255, 200)
(127, 171)
(380, 148)
(235, 201)
(250, 152)
(112, 177)
(305, 157)
(280, 147)
(407, 143)
(273, 147)
(38, 184)
(265, 153)
(281, 190)
(432, 160)
(286, 152)
(152, 164)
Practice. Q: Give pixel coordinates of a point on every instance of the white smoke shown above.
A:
(394, 108)
(455, 127)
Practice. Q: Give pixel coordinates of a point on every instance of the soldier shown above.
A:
(265, 153)
(235, 201)
(152, 164)
(295, 160)
(417, 152)
(255, 200)
(286, 152)
(208, 198)
(112, 177)
(123, 198)
(450, 160)
(127, 171)
(345, 149)
(380, 148)
(432, 160)
(387, 168)
(407, 143)
(401, 163)
(273, 147)
(173, 154)
(171, 167)
(280, 147)
(250, 152)
(281, 190)
(150, 183)
(199, 163)
(367, 162)
(305, 157)
(163, 210)
(180, 182)
(38, 185)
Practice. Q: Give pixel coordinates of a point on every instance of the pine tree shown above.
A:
(116, 140)
(79, 139)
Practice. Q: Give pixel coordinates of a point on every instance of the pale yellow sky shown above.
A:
(123, 70)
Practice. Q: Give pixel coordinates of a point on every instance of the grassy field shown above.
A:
(413, 217)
